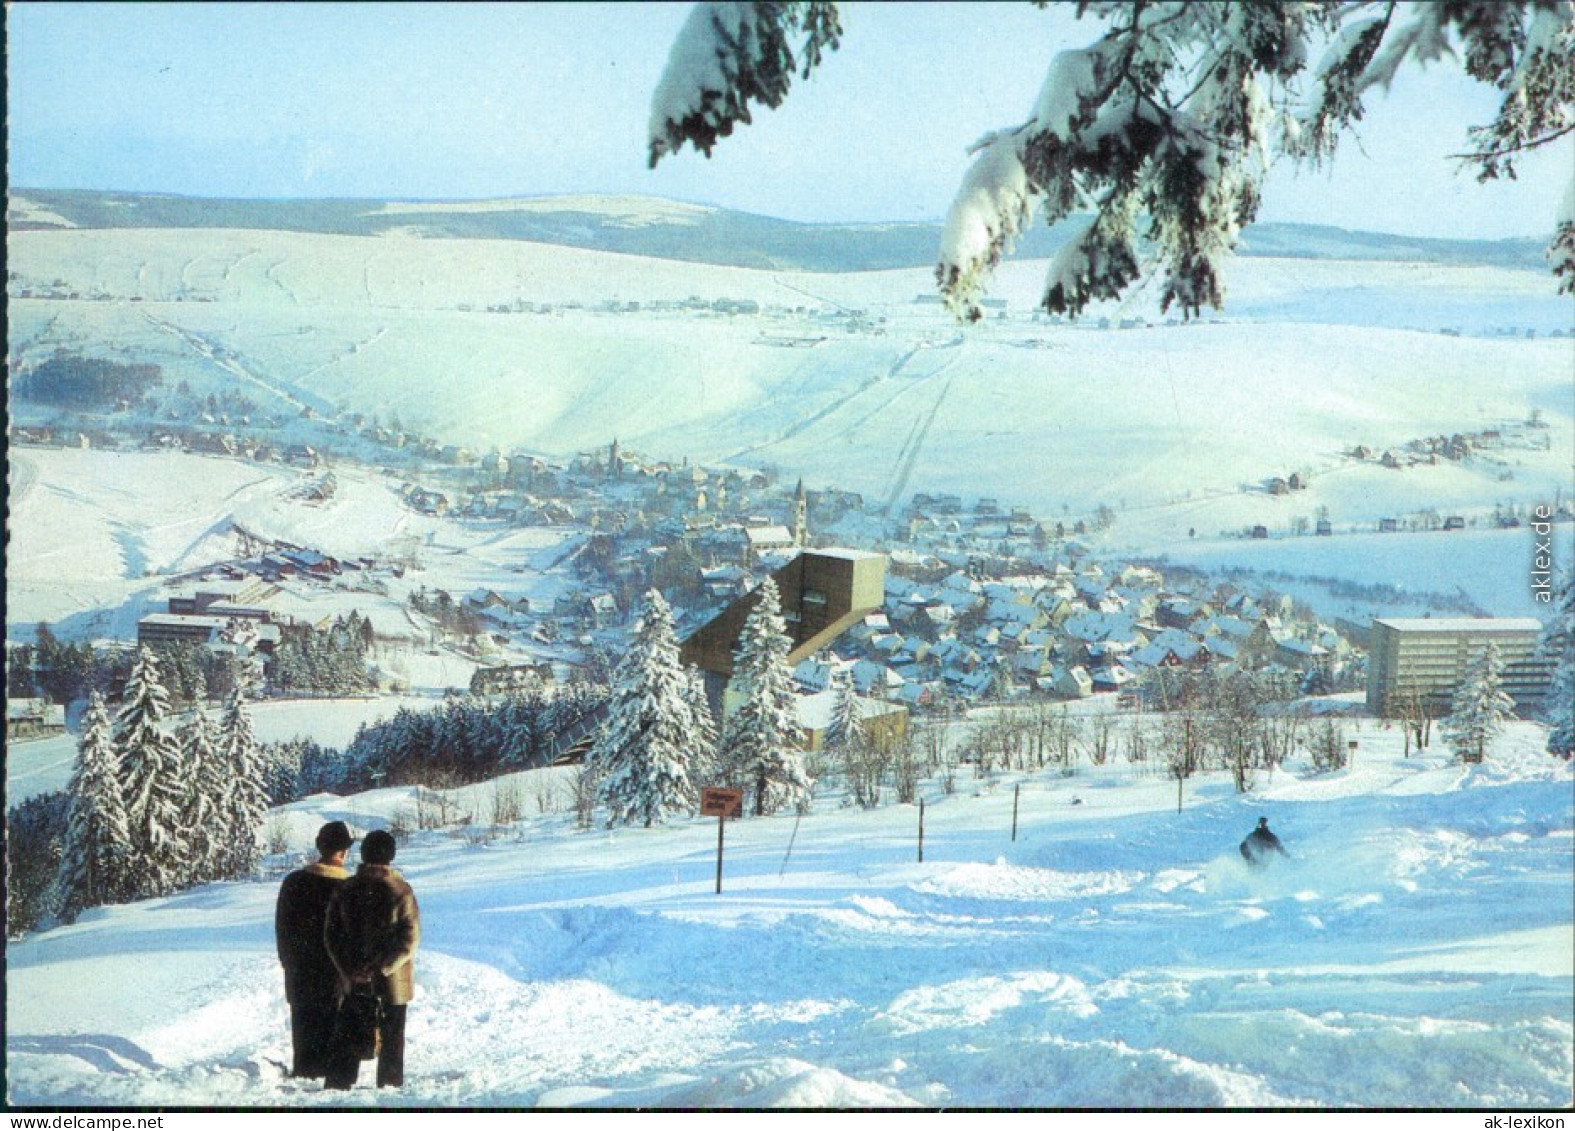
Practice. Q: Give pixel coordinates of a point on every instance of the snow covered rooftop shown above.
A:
(768, 535)
(1461, 624)
(846, 554)
(174, 619)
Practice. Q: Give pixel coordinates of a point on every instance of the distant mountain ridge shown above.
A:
(659, 228)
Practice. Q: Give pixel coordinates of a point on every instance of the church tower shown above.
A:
(800, 517)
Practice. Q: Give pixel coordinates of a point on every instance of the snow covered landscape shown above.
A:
(1106, 643)
(1415, 950)
(843, 377)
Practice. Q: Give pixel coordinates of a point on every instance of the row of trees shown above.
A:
(59, 671)
(151, 809)
(660, 742)
(330, 662)
(333, 661)
(467, 739)
(69, 379)
(453, 617)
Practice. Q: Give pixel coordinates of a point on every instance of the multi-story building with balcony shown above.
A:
(1421, 659)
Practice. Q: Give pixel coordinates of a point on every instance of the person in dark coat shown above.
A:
(311, 984)
(1260, 843)
(372, 932)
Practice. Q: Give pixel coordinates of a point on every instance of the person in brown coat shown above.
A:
(311, 984)
(371, 933)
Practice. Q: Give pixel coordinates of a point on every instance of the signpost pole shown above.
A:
(721, 804)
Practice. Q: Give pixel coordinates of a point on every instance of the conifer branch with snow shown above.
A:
(1163, 127)
(727, 56)
(1558, 646)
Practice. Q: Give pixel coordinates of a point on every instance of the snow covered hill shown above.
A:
(670, 229)
(1415, 951)
(845, 379)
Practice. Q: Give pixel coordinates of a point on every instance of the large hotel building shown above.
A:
(1424, 657)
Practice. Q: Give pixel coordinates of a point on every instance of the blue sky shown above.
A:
(461, 101)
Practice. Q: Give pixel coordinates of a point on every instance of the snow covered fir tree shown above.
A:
(761, 737)
(206, 801)
(648, 751)
(96, 859)
(1558, 644)
(151, 810)
(1480, 706)
(151, 764)
(245, 807)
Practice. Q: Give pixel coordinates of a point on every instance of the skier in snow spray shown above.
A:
(1260, 843)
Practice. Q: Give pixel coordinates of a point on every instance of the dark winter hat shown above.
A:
(334, 837)
(1263, 822)
(377, 848)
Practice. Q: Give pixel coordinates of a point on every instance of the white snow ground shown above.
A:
(1165, 424)
(1415, 951)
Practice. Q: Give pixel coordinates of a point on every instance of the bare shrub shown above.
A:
(1138, 743)
(1329, 746)
(905, 771)
(276, 834)
(508, 801)
(584, 787)
(1101, 739)
(435, 809)
(863, 766)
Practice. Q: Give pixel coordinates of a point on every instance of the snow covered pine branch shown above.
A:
(1162, 129)
(728, 55)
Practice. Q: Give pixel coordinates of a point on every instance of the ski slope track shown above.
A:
(1415, 950)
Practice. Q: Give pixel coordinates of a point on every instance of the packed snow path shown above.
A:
(1415, 951)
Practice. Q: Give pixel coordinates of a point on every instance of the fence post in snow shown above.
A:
(921, 830)
(1016, 789)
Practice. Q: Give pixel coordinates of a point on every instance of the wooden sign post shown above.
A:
(721, 804)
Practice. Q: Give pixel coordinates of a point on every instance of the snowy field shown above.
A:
(40, 765)
(1492, 569)
(883, 395)
(1416, 950)
(98, 538)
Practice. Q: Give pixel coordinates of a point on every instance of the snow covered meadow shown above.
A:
(1416, 950)
(849, 379)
